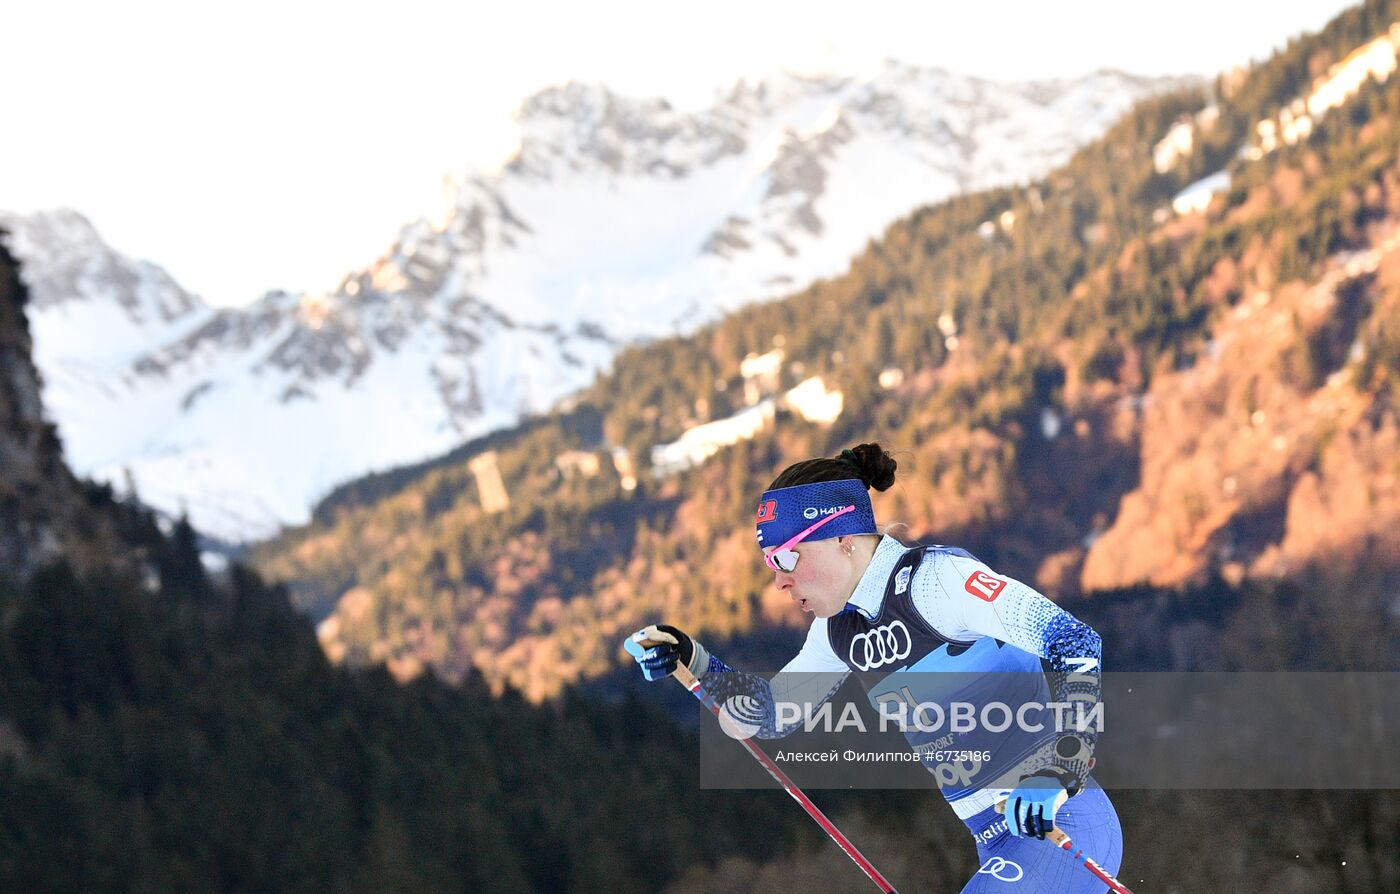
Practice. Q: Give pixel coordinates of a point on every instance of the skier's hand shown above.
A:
(658, 648)
(1031, 808)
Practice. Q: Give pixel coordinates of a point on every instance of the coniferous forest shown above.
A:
(180, 735)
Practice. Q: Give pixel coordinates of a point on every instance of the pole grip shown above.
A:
(1054, 835)
(683, 674)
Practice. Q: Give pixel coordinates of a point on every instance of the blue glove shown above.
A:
(1031, 808)
(658, 648)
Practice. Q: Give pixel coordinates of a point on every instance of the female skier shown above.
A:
(925, 628)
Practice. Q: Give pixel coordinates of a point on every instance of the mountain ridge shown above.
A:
(1016, 346)
(618, 219)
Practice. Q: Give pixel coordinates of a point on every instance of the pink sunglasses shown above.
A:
(784, 558)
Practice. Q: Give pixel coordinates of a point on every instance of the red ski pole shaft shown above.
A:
(1057, 837)
(683, 674)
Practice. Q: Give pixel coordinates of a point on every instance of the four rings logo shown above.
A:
(881, 646)
(1001, 869)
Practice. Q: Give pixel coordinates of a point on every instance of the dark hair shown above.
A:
(868, 462)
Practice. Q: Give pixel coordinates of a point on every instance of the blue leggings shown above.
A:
(1031, 866)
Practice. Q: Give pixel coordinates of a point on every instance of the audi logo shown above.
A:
(1000, 869)
(880, 646)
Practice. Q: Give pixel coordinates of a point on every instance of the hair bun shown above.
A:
(873, 464)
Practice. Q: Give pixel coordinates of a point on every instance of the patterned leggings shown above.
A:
(1030, 866)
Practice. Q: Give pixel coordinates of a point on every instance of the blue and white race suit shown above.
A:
(929, 629)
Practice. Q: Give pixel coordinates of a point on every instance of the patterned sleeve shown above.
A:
(965, 600)
(806, 683)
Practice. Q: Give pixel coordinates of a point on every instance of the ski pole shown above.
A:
(1057, 837)
(683, 674)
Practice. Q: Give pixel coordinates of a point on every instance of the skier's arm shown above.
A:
(807, 681)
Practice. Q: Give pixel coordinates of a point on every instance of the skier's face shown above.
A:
(823, 579)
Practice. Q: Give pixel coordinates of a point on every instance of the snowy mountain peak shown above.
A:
(581, 128)
(586, 104)
(65, 260)
(618, 218)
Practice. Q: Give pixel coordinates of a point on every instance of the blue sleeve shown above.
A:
(748, 697)
(754, 699)
(1074, 666)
